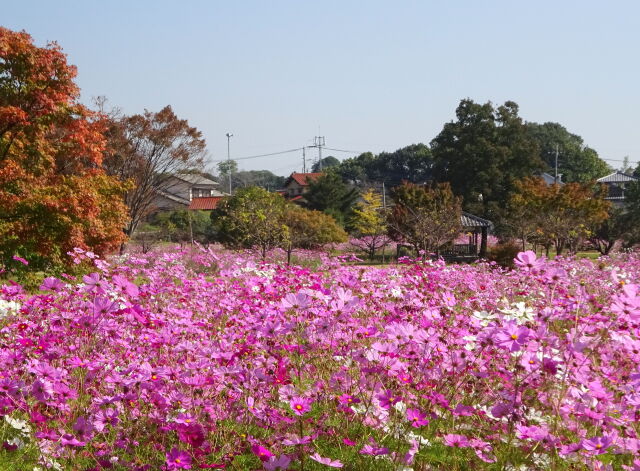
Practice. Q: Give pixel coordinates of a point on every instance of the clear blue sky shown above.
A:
(368, 75)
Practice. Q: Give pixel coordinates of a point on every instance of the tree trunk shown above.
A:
(483, 242)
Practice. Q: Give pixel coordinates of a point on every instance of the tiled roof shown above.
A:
(173, 197)
(195, 179)
(617, 177)
(469, 220)
(205, 203)
(302, 179)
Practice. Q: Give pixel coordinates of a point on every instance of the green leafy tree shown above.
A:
(412, 163)
(184, 225)
(309, 229)
(327, 162)
(227, 167)
(330, 194)
(482, 153)
(427, 217)
(369, 224)
(262, 178)
(576, 161)
(252, 218)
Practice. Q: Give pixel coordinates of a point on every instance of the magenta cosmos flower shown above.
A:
(177, 459)
(387, 399)
(417, 418)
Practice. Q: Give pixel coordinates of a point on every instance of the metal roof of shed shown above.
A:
(617, 177)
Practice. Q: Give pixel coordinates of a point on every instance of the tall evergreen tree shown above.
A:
(482, 153)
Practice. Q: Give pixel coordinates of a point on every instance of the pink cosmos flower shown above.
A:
(387, 399)
(635, 466)
(374, 450)
(456, 441)
(295, 301)
(184, 419)
(20, 259)
(326, 461)
(83, 428)
(51, 283)
(597, 445)
(300, 405)
(528, 260)
(191, 433)
(177, 459)
(280, 463)
(512, 336)
(347, 399)
(417, 418)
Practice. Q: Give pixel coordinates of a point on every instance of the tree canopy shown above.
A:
(327, 162)
(412, 163)
(369, 223)
(559, 215)
(262, 178)
(147, 149)
(328, 193)
(427, 217)
(576, 161)
(482, 153)
(252, 217)
(54, 195)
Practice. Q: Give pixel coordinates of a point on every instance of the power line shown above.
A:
(260, 155)
(342, 150)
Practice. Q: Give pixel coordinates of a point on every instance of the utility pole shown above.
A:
(229, 135)
(384, 211)
(556, 176)
(318, 142)
(304, 160)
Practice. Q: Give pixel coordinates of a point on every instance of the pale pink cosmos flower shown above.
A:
(528, 260)
(326, 461)
(455, 440)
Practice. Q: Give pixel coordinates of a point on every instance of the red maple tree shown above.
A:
(54, 194)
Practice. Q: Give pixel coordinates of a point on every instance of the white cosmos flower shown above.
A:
(18, 424)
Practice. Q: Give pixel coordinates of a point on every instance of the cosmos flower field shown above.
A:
(213, 360)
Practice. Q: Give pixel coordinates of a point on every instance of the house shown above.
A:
(179, 189)
(298, 183)
(550, 179)
(616, 183)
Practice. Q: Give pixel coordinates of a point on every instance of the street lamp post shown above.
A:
(229, 135)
